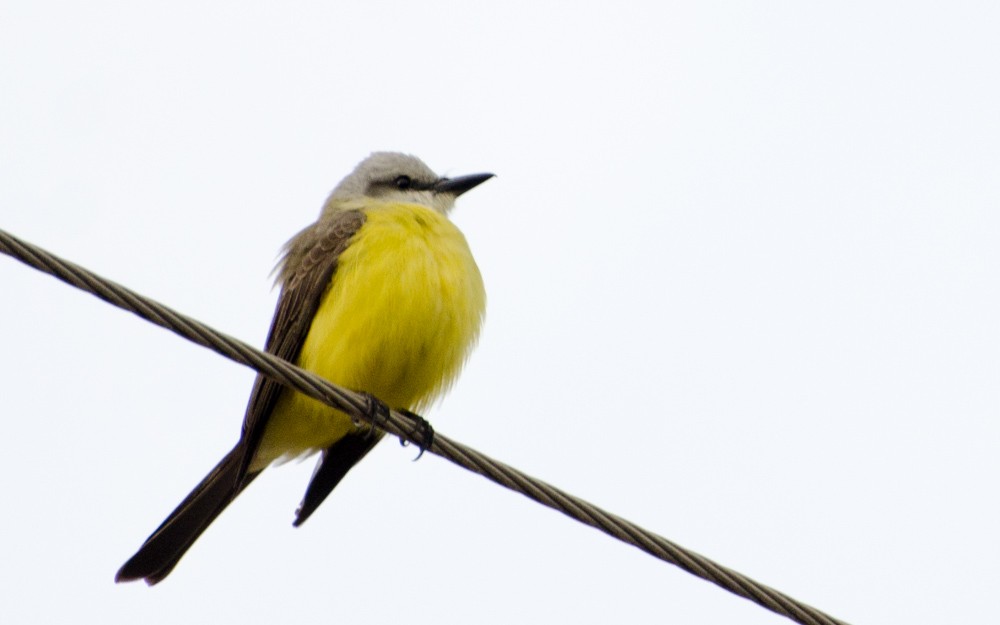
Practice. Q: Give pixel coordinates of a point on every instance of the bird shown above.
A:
(381, 295)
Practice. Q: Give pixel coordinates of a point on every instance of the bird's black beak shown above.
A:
(458, 186)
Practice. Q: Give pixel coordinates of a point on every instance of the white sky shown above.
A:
(743, 272)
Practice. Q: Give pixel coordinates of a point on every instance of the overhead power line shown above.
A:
(409, 429)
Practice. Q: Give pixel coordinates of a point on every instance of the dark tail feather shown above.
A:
(336, 461)
(165, 547)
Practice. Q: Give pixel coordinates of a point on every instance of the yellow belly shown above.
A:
(398, 321)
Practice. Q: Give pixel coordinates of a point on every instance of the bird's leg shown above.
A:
(423, 433)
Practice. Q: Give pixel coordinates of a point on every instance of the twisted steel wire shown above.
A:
(408, 429)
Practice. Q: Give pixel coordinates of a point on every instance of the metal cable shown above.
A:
(404, 427)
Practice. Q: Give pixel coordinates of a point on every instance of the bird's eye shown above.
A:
(402, 182)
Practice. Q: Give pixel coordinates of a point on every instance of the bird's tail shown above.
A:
(165, 547)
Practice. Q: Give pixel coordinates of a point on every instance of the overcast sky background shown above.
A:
(742, 264)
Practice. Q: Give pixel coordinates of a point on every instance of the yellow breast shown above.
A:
(398, 321)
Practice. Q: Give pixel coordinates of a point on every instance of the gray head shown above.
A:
(395, 177)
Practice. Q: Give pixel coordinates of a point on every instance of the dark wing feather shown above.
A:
(333, 465)
(315, 251)
(301, 294)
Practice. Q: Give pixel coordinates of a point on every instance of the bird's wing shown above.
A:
(301, 295)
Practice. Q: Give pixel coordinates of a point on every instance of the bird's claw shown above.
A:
(377, 412)
(423, 433)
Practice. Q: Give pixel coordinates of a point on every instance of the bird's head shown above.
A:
(395, 177)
